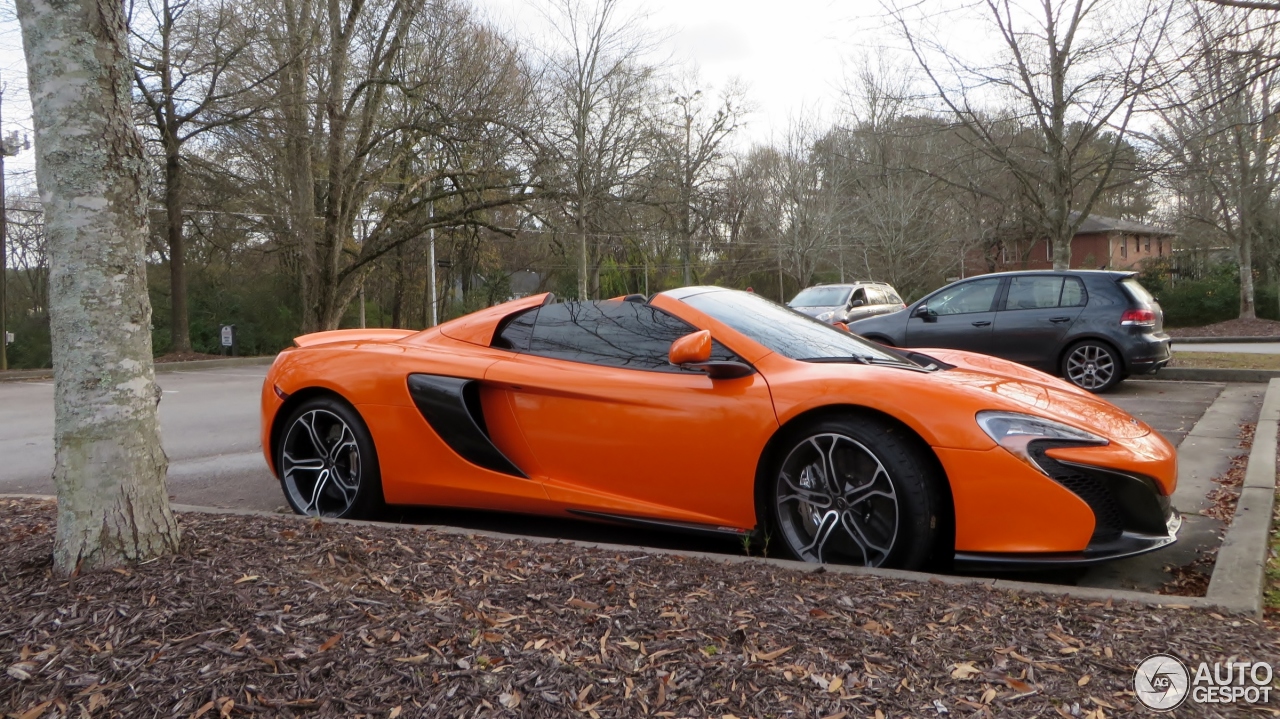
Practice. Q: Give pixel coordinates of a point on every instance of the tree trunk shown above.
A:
(179, 323)
(109, 467)
(1247, 310)
(297, 127)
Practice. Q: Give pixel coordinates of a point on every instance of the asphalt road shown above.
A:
(208, 424)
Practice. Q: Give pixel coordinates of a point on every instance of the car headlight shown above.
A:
(826, 316)
(1016, 432)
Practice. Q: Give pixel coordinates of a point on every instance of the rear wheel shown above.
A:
(855, 491)
(327, 463)
(1092, 365)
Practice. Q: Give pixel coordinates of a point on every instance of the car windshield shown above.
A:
(820, 297)
(790, 333)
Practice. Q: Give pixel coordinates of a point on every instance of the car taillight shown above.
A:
(1138, 318)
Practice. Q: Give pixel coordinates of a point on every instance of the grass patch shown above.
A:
(1225, 360)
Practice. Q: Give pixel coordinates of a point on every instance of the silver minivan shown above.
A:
(847, 302)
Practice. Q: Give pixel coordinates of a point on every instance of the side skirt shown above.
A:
(705, 530)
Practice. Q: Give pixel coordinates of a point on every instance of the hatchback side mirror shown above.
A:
(856, 303)
(923, 313)
(694, 352)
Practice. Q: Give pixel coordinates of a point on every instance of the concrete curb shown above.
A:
(1228, 603)
(1239, 574)
(17, 375)
(1220, 340)
(1196, 374)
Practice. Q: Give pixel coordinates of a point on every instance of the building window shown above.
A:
(1160, 246)
(1146, 246)
(1124, 247)
(1048, 250)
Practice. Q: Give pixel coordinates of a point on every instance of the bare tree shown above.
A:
(1220, 133)
(691, 161)
(187, 65)
(596, 125)
(109, 467)
(1070, 74)
(394, 117)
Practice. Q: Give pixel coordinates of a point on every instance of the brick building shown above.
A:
(1101, 243)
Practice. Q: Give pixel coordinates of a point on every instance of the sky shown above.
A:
(791, 56)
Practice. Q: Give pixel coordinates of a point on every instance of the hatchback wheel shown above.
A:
(1092, 366)
(855, 491)
(327, 463)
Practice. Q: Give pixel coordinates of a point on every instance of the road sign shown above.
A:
(228, 335)
(8, 338)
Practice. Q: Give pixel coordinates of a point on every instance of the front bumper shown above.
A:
(1131, 516)
(1128, 544)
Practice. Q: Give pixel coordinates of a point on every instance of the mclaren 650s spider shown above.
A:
(710, 410)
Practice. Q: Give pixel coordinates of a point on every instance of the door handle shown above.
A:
(981, 323)
(1060, 320)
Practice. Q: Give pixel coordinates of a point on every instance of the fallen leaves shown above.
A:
(404, 623)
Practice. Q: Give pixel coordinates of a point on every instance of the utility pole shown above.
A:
(431, 240)
(431, 262)
(4, 248)
(5, 149)
(840, 245)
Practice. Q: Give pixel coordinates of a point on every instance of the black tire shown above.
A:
(889, 519)
(340, 477)
(1092, 365)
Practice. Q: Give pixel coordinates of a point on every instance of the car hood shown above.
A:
(1039, 393)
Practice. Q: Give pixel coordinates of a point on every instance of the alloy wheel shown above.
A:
(836, 502)
(1090, 367)
(320, 464)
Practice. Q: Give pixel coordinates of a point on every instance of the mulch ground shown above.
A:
(1231, 328)
(280, 617)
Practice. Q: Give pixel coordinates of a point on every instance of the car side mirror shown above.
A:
(693, 351)
(840, 326)
(856, 303)
(923, 313)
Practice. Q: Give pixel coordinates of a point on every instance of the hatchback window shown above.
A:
(1137, 291)
(1033, 292)
(1073, 294)
(875, 296)
(975, 296)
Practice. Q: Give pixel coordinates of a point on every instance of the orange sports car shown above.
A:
(716, 411)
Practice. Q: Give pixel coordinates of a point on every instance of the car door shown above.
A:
(616, 430)
(860, 295)
(960, 316)
(1034, 316)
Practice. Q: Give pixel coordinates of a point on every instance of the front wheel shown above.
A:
(1092, 366)
(327, 463)
(855, 491)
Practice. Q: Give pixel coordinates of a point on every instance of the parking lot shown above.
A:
(209, 421)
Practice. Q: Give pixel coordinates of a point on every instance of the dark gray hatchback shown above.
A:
(1092, 327)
